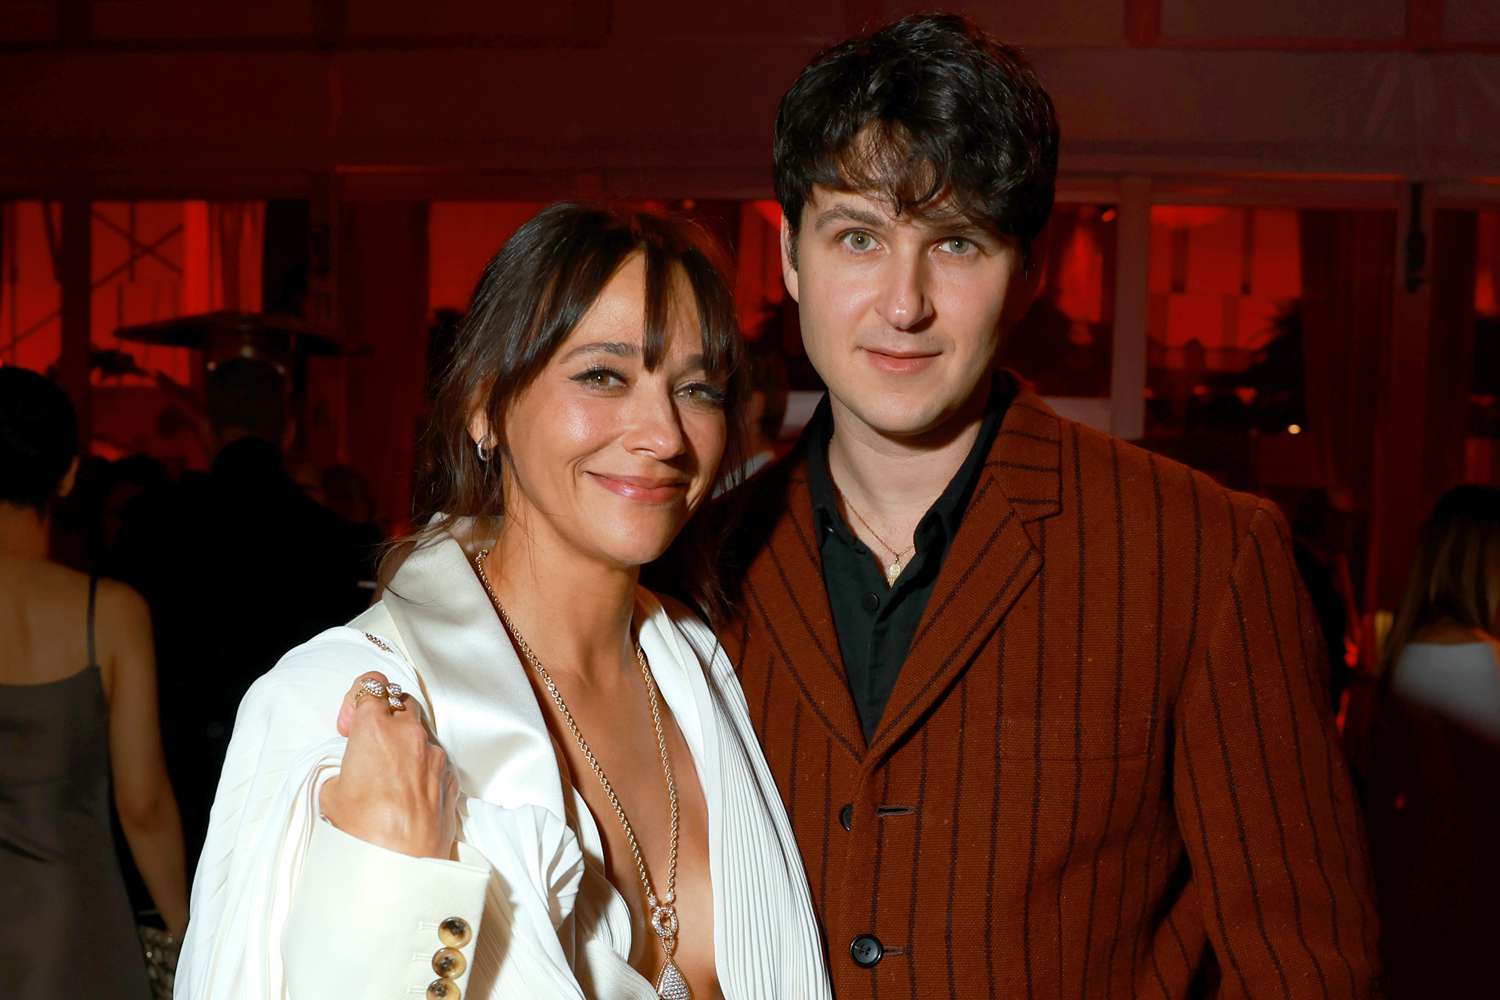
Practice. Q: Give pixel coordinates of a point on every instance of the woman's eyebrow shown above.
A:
(618, 348)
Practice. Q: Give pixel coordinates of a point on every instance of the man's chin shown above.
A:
(904, 423)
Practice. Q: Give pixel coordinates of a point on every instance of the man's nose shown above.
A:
(904, 302)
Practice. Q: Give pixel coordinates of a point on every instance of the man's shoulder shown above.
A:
(1104, 469)
(748, 514)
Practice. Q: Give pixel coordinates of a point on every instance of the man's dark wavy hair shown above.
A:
(929, 113)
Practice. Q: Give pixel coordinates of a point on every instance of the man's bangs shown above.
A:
(883, 162)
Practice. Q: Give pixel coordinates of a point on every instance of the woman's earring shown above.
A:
(485, 454)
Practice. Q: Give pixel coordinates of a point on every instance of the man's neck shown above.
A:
(897, 479)
(23, 532)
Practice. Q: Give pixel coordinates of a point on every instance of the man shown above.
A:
(1047, 711)
(238, 566)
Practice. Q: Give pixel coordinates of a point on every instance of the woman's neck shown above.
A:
(573, 612)
(23, 532)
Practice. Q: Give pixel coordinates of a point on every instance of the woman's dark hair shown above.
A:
(926, 109)
(531, 296)
(1456, 575)
(38, 438)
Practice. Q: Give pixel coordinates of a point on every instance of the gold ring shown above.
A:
(394, 697)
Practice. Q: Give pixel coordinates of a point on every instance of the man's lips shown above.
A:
(899, 362)
(643, 489)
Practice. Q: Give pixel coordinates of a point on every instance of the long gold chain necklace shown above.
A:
(670, 984)
(893, 570)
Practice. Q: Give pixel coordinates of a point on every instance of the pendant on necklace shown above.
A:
(670, 985)
(892, 572)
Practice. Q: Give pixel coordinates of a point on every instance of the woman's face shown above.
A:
(605, 457)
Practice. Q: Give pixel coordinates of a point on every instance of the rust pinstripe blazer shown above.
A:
(1107, 768)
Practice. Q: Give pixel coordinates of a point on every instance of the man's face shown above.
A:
(901, 316)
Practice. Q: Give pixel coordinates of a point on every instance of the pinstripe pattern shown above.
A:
(1105, 766)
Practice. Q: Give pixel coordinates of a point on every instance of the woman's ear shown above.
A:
(479, 428)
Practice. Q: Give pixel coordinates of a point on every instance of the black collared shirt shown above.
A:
(875, 622)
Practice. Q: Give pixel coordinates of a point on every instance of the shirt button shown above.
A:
(454, 932)
(846, 817)
(871, 601)
(866, 950)
(449, 963)
(443, 989)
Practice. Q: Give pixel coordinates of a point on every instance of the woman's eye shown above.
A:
(858, 240)
(600, 378)
(702, 392)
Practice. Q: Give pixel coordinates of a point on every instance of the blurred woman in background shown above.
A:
(77, 707)
(1434, 802)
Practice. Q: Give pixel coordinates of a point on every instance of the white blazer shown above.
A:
(286, 906)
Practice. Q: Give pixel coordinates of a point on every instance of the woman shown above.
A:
(616, 831)
(77, 707)
(1434, 811)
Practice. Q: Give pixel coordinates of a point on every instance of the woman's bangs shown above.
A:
(670, 275)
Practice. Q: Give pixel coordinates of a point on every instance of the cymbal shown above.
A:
(228, 333)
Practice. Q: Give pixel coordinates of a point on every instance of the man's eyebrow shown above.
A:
(618, 348)
(848, 213)
(949, 222)
(960, 226)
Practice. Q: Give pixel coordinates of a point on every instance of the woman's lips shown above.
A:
(641, 489)
(899, 364)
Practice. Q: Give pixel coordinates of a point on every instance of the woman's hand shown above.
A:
(395, 789)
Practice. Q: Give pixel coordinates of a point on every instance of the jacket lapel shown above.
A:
(483, 710)
(990, 563)
(785, 596)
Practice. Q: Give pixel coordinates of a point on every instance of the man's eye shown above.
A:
(600, 378)
(959, 246)
(858, 240)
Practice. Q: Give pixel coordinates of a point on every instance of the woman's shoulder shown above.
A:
(323, 667)
(689, 624)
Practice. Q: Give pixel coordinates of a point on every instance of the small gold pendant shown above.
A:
(670, 985)
(892, 572)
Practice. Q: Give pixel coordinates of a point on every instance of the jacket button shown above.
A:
(870, 602)
(846, 817)
(454, 932)
(866, 950)
(443, 989)
(449, 963)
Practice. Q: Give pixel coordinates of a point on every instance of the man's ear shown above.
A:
(1025, 283)
(789, 259)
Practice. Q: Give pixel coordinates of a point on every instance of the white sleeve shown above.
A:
(368, 922)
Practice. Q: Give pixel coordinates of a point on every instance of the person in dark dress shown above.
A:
(77, 707)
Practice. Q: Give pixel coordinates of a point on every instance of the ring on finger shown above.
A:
(395, 697)
(369, 686)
